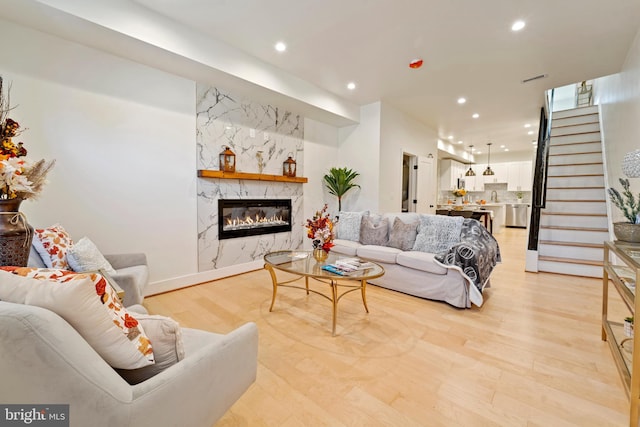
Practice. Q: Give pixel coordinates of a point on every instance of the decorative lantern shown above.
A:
(227, 160)
(289, 167)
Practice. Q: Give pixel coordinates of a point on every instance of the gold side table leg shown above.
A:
(275, 284)
(334, 293)
(306, 284)
(363, 288)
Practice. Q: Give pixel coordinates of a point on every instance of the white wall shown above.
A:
(401, 134)
(374, 148)
(320, 154)
(123, 137)
(619, 99)
(359, 149)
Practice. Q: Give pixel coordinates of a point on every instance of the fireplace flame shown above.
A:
(248, 222)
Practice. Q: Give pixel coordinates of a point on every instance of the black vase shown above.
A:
(15, 234)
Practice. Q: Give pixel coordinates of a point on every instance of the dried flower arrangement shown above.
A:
(20, 177)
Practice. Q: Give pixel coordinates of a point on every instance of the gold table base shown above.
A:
(333, 283)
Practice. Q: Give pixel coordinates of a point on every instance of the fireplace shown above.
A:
(251, 217)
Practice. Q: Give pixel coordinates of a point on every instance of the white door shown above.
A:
(425, 186)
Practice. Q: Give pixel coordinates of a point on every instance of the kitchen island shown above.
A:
(498, 210)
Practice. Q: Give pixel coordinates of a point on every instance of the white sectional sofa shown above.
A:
(429, 256)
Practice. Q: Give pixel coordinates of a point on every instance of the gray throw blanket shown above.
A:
(476, 254)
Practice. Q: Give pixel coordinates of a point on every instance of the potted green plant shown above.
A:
(339, 181)
(630, 207)
(519, 196)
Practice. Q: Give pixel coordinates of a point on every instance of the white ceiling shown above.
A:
(467, 46)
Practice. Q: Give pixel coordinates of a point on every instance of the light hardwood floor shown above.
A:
(530, 356)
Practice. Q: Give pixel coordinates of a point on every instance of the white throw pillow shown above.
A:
(349, 225)
(88, 304)
(438, 233)
(84, 255)
(166, 337)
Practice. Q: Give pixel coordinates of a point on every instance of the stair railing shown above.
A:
(539, 196)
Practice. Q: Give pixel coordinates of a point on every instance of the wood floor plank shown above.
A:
(530, 356)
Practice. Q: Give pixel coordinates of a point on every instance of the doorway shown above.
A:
(407, 167)
(418, 186)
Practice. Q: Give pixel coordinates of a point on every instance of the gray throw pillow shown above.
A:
(374, 230)
(438, 233)
(349, 225)
(403, 236)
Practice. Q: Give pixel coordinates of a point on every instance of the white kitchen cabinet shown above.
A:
(474, 183)
(450, 172)
(499, 170)
(519, 176)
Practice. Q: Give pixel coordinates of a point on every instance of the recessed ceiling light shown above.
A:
(450, 137)
(478, 152)
(462, 100)
(506, 149)
(527, 125)
(475, 115)
(517, 26)
(351, 85)
(530, 132)
(534, 142)
(281, 47)
(502, 146)
(459, 142)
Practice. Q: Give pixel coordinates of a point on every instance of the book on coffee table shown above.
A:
(354, 263)
(336, 269)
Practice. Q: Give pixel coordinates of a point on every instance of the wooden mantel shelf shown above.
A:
(206, 173)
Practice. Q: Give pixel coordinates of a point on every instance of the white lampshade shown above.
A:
(631, 164)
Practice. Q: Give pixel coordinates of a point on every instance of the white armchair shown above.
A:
(43, 360)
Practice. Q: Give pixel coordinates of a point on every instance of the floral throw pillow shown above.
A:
(52, 244)
(87, 303)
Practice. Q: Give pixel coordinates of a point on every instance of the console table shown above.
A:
(624, 278)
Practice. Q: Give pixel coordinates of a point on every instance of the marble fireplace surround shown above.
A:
(252, 131)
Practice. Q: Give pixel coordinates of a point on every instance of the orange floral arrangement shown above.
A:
(320, 230)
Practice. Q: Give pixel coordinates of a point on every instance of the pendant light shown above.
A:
(488, 170)
(470, 172)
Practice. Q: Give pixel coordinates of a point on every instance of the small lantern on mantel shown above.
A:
(289, 167)
(227, 160)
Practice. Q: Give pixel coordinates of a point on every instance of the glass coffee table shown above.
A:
(303, 264)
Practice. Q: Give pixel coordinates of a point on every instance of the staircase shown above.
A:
(574, 224)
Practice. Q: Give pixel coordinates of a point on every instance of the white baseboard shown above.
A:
(531, 263)
(175, 283)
